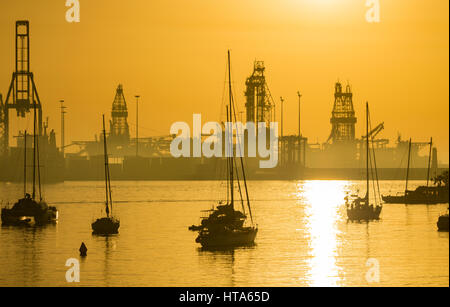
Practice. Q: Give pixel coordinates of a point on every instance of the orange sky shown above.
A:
(173, 53)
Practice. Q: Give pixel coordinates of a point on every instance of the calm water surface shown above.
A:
(303, 240)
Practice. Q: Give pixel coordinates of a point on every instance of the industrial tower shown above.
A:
(119, 130)
(259, 103)
(22, 94)
(343, 118)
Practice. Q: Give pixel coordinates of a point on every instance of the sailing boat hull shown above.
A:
(14, 220)
(442, 223)
(422, 195)
(231, 238)
(106, 226)
(364, 214)
(411, 201)
(27, 207)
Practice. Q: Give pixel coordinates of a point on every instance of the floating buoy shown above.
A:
(83, 250)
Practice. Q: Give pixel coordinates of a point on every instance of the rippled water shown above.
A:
(303, 240)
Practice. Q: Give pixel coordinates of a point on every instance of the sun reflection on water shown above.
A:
(322, 201)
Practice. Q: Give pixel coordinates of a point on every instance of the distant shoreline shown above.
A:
(263, 175)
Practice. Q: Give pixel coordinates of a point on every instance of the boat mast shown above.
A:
(38, 170)
(367, 152)
(106, 167)
(228, 162)
(230, 112)
(34, 151)
(25, 164)
(242, 164)
(429, 161)
(231, 136)
(109, 185)
(407, 168)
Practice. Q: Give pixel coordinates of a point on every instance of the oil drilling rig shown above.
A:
(119, 130)
(341, 144)
(260, 107)
(343, 121)
(120, 143)
(343, 118)
(23, 97)
(343, 149)
(259, 103)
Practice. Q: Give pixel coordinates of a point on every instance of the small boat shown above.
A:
(360, 208)
(106, 226)
(442, 222)
(225, 226)
(428, 195)
(29, 208)
(109, 224)
(227, 237)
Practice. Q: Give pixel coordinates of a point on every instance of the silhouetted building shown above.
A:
(259, 103)
(343, 118)
(119, 130)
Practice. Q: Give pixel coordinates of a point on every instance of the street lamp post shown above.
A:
(62, 125)
(299, 96)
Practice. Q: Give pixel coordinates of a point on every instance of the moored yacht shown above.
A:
(109, 224)
(360, 208)
(225, 226)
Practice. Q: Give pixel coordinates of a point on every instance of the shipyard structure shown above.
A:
(22, 101)
(341, 156)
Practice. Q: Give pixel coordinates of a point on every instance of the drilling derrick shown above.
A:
(259, 103)
(22, 94)
(343, 118)
(119, 130)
